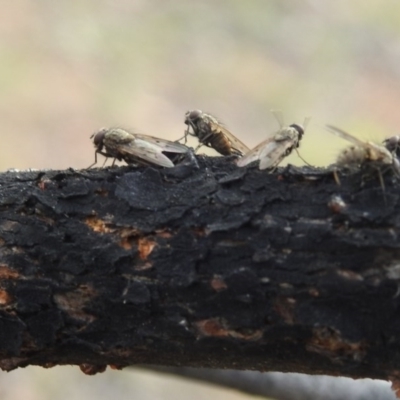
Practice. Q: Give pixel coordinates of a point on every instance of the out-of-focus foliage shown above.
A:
(69, 68)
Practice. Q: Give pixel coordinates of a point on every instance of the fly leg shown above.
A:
(106, 155)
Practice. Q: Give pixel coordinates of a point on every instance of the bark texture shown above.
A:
(216, 266)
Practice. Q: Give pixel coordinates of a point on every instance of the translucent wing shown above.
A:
(146, 151)
(279, 117)
(254, 154)
(306, 122)
(236, 143)
(133, 147)
(165, 145)
(273, 154)
(344, 135)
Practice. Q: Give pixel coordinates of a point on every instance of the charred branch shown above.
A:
(217, 266)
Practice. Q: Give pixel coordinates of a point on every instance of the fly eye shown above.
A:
(99, 137)
(392, 143)
(195, 114)
(298, 128)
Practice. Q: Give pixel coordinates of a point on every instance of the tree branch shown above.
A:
(286, 386)
(219, 267)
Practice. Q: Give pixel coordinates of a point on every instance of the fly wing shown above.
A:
(344, 135)
(146, 151)
(273, 154)
(279, 117)
(236, 143)
(163, 144)
(254, 154)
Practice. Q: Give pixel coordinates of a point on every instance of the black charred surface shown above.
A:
(214, 266)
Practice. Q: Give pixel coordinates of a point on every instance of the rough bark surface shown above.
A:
(219, 267)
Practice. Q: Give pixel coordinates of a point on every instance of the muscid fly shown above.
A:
(136, 148)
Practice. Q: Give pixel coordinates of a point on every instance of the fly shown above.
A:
(365, 153)
(276, 147)
(135, 148)
(211, 133)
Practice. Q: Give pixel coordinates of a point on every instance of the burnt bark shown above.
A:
(216, 266)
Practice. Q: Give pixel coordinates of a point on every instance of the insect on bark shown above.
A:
(368, 154)
(211, 133)
(135, 148)
(277, 146)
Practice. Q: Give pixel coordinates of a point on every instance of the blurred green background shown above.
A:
(70, 68)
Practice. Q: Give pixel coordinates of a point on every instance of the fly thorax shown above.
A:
(299, 129)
